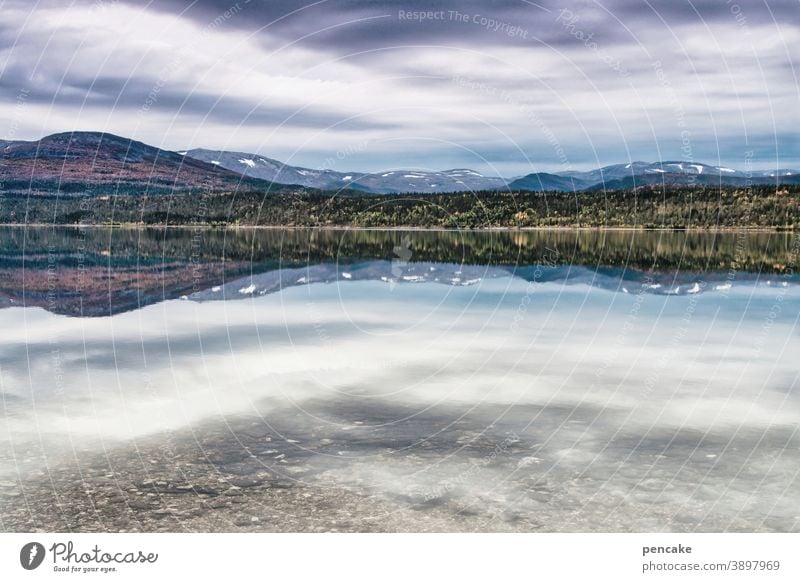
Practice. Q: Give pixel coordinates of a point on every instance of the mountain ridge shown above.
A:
(71, 161)
(611, 177)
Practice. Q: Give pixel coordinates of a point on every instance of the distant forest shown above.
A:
(645, 207)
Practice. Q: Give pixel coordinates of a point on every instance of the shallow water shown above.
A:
(374, 386)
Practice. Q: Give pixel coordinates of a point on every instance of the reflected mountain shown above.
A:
(91, 272)
(607, 278)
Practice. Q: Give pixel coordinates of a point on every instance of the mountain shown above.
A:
(265, 168)
(543, 182)
(387, 182)
(678, 179)
(676, 173)
(458, 180)
(106, 163)
(72, 161)
(613, 177)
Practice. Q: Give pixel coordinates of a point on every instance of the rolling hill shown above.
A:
(80, 161)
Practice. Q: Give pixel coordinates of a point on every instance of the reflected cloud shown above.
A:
(520, 401)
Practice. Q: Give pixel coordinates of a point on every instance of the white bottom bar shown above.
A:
(405, 557)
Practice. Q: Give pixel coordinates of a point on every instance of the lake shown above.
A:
(366, 380)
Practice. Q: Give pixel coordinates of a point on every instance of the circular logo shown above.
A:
(31, 555)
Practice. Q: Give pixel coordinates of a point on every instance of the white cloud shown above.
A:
(256, 90)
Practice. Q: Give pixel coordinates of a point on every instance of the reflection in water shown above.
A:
(97, 271)
(367, 395)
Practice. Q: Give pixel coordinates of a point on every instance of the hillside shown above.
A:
(94, 161)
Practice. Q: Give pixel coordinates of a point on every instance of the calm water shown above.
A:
(350, 380)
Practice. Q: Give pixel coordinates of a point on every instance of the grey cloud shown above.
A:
(615, 121)
(678, 12)
(149, 95)
(364, 25)
(8, 36)
(351, 26)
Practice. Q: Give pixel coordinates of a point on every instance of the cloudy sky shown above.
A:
(505, 87)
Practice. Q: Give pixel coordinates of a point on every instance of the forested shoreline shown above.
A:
(650, 207)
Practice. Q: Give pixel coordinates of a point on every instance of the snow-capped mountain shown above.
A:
(272, 170)
(458, 180)
(391, 181)
(611, 177)
(623, 171)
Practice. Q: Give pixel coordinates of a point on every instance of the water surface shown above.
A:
(398, 381)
